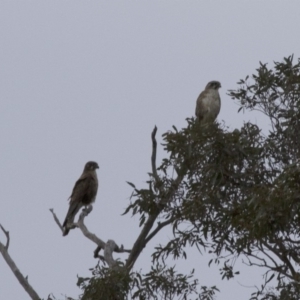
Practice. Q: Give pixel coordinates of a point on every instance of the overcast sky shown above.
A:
(88, 80)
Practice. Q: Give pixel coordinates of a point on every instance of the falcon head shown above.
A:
(91, 166)
(215, 85)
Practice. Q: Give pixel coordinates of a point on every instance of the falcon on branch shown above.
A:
(83, 194)
(209, 103)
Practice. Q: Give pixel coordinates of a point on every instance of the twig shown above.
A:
(7, 237)
(56, 219)
(158, 228)
(23, 281)
(153, 156)
(280, 253)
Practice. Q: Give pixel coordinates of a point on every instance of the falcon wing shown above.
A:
(83, 193)
(84, 189)
(201, 108)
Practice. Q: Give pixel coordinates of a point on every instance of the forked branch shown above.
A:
(158, 228)
(164, 198)
(108, 247)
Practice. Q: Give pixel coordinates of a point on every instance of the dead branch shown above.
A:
(153, 156)
(110, 247)
(56, 219)
(91, 236)
(7, 237)
(97, 255)
(85, 231)
(22, 280)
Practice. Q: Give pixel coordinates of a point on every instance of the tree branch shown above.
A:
(281, 254)
(22, 280)
(97, 255)
(56, 220)
(85, 231)
(107, 247)
(158, 228)
(110, 247)
(153, 156)
(7, 237)
(166, 197)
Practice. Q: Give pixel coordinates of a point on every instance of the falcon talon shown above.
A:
(88, 209)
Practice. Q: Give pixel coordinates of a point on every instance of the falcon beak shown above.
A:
(97, 167)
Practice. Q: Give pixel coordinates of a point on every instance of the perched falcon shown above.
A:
(84, 193)
(209, 103)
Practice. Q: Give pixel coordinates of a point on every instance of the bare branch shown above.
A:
(86, 232)
(22, 280)
(97, 255)
(91, 236)
(110, 247)
(122, 250)
(153, 156)
(7, 237)
(56, 219)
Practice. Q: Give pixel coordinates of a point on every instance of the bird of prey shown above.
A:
(83, 194)
(208, 103)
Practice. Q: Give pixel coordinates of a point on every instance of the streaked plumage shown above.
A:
(83, 194)
(208, 104)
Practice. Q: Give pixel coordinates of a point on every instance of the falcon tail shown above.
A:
(73, 210)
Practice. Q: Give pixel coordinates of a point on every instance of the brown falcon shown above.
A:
(83, 194)
(209, 103)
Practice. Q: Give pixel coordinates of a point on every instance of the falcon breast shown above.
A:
(208, 104)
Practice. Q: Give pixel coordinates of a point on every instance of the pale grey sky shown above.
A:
(88, 80)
